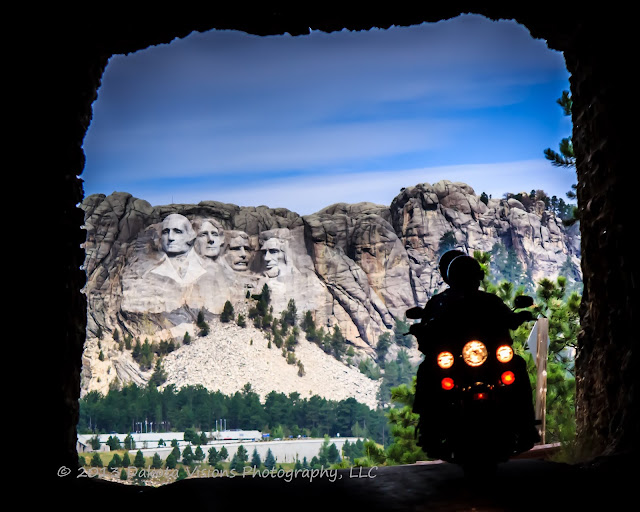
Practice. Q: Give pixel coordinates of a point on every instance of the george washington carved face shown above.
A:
(177, 235)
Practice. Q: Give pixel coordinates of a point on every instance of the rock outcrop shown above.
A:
(150, 270)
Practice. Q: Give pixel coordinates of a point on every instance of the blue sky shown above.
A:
(304, 122)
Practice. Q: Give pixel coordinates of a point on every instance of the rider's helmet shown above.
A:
(445, 259)
(464, 272)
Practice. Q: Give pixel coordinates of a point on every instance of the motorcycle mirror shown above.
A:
(414, 313)
(522, 301)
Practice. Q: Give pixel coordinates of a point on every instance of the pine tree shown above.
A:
(223, 454)
(126, 461)
(171, 461)
(96, 461)
(256, 462)
(227, 312)
(202, 324)
(129, 443)
(214, 456)
(187, 456)
(138, 461)
(565, 157)
(159, 375)
(156, 462)
(115, 462)
(123, 474)
(270, 460)
(199, 454)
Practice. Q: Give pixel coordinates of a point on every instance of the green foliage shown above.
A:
(241, 321)
(202, 324)
(115, 462)
(187, 455)
(190, 436)
(156, 462)
(400, 328)
(138, 461)
(186, 339)
(224, 453)
(214, 456)
(565, 158)
(113, 443)
(191, 406)
(171, 461)
(123, 474)
(239, 459)
(227, 312)
(506, 268)
(447, 242)
(256, 462)
(126, 460)
(382, 348)
(369, 368)
(396, 372)
(199, 453)
(270, 460)
(129, 443)
(159, 375)
(94, 442)
(96, 461)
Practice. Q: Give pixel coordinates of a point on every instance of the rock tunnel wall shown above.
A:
(78, 52)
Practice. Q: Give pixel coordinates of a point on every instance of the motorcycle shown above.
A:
(473, 396)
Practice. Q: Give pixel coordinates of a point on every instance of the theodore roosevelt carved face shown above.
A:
(177, 235)
(238, 251)
(210, 237)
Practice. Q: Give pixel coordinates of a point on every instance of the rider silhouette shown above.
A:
(466, 311)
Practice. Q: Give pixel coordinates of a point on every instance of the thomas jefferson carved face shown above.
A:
(177, 235)
(275, 258)
(237, 251)
(209, 239)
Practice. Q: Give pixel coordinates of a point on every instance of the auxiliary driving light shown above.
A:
(504, 353)
(445, 360)
(474, 353)
(447, 383)
(508, 378)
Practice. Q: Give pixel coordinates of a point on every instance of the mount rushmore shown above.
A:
(152, 269)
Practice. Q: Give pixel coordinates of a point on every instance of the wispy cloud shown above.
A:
(217, 110)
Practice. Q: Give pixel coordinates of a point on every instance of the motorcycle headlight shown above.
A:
(474, 353)
(504, 353)
(445, 360)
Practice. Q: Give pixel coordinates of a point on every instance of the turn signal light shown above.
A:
(447, 383)
(508, 378)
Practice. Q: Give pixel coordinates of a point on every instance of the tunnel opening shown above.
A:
(145, 87)
(614, 423)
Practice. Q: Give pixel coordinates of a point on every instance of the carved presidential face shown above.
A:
(237, 253)
(209, 240)
(177, 235)
(275, 258)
